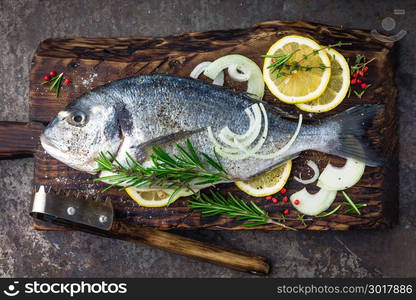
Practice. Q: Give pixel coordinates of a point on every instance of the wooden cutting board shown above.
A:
(93, 62)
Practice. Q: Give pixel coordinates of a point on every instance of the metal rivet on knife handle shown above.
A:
(71, 211)
(103, 219)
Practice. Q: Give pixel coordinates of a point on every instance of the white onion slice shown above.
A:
(231, 151)
(285, 147)
(246, 153)
(237, 74)
(228, 137)
(262, 139)
(246, 141)
(313, 204)
(238, 149)
(337, 179)
(251, 116)
(200, 68)
(255, 84)
(217, 145)
(219, 80)
(315, 176)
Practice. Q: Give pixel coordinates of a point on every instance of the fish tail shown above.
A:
(352, 139)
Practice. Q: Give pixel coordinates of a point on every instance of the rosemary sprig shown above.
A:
(55, 83)
(168, 171)
(358, 205)
(279, 61)
(330, 213)
(216, 204)
(354, 207)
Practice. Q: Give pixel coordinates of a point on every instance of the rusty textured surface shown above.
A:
(25, 252)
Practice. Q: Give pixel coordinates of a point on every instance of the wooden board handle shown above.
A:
(18, 139)
(174, 243)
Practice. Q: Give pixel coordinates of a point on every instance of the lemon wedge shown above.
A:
(337, 88)
(301, 85)
(268, 183)
(155, 198)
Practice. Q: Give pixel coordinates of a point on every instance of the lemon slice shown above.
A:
(337, 88)
(153, 197)
(301, 85)
(268, 183)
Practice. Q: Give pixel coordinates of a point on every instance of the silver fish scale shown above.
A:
(147, 109)
(162, 105)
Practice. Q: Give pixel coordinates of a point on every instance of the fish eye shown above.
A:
(77, 118)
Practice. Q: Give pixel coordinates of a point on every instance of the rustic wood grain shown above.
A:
(93, 62)
(232, 259)
(18, 139)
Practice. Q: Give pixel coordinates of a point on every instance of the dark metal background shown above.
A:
(27, 253)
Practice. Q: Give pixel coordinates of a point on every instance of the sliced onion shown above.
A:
(245, 151)
(237, 74)
(197, 71)
(262, 139)
(217, 144)
(337, 179)
(315, 176)
(219, 80)
(313, 204)
(255, 85)
(227, 133)
(253, 132)
(236, 149)
(232, 148)
(285, 147)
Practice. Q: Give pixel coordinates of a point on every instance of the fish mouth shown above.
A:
(49, 144)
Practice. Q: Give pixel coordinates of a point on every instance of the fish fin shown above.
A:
(351, 140)
(140, 151)
(169, 138)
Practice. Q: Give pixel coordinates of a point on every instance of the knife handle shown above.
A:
(174, 243)
(19, 139)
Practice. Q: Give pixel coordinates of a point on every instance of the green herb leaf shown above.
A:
(351, 203)
(168, 171)
(331, 212)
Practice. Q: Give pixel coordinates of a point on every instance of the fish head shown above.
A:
(78, 134)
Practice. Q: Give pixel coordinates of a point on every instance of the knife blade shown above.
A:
(96, 216)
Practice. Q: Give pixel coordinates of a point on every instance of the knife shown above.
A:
(96, 216)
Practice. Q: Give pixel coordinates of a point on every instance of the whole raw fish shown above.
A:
(132, 115)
